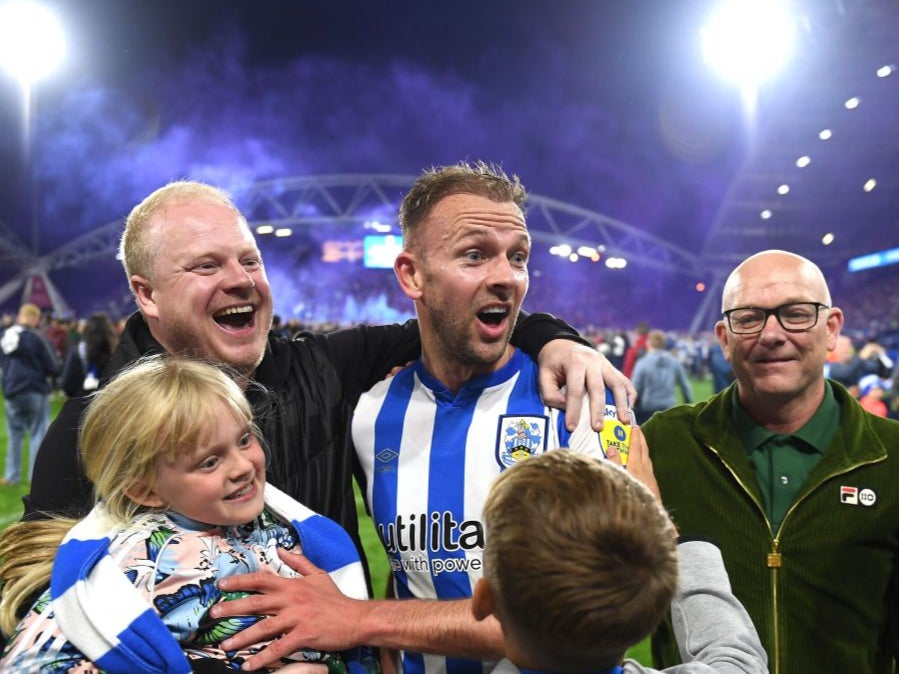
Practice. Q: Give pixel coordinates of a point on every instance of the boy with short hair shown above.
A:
(581, 563)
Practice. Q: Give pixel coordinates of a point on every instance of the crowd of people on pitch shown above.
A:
(191, 507)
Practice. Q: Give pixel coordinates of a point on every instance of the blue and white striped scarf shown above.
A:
(114, 625)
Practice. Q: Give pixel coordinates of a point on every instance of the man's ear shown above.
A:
(834, 325)
(409, 274)
(483, 604)
(141, 494)
(723, 339)
(143, 293)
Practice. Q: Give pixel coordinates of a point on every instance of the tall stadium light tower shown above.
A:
(32, 45)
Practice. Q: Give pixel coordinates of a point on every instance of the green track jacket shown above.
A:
(824, 594)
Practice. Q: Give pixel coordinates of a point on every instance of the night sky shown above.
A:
(569, 95)
(606, 105)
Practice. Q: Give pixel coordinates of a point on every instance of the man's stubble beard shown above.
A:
(455, 340)
(185, 337)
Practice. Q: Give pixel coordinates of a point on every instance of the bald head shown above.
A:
(779, 370)
(772, 269)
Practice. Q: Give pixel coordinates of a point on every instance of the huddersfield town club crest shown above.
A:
(520, 437)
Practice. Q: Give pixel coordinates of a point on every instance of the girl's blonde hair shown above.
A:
(153, 410)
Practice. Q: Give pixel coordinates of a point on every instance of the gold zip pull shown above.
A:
(774, 560)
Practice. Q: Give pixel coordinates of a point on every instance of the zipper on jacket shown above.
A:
(774, 559)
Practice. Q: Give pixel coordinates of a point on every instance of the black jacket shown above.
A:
(27, 361)
(311, 386)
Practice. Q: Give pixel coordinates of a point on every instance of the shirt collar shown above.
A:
(817, 432)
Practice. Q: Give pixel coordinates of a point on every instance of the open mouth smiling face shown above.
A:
(244, 491)
(236, 318)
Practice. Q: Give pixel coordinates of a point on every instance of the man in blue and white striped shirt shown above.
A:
(432, 439)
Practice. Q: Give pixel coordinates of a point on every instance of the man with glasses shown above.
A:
(797, 484)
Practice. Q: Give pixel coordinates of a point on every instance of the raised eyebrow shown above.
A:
(480, 233)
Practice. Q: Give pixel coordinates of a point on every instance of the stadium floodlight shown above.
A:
(748, 41)
(32, 41)
(32, 45)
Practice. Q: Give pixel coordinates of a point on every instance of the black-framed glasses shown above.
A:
(793, 317)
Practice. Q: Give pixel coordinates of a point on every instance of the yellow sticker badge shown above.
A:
(615, 437)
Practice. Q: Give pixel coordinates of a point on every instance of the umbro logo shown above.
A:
(386, 455)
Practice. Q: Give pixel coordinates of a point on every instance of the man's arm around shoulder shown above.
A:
(311, 612)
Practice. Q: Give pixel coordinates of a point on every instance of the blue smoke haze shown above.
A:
(214, 91)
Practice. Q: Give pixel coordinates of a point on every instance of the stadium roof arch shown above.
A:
(340, 201)
(336, 200)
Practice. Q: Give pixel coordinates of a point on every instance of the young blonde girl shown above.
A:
(179, 474)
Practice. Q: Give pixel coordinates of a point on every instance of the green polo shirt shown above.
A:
(783, 462)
